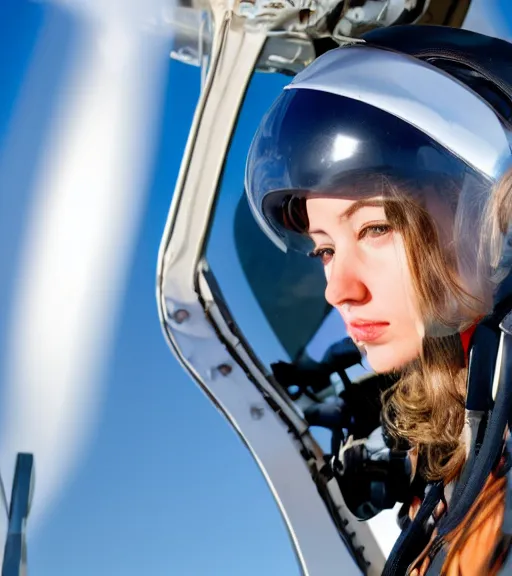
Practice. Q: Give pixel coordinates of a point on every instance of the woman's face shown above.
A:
(368, 279)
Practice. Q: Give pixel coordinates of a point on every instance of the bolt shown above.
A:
(257, 412)
(180, 316)
(225, 369)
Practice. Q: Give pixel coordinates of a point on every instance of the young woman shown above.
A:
(390, 162)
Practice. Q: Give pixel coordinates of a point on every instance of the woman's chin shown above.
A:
(390, 357)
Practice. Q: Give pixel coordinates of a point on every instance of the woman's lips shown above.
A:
(367, 331)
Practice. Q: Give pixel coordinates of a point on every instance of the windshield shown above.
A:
(277, 302)
(276, 299)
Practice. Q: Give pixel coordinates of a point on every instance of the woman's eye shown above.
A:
(374, 231)
(324, 254)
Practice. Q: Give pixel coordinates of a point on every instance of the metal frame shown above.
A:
(15, 551)
(204, 337)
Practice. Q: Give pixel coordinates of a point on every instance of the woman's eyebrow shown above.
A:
(358, 204)
(351, 210)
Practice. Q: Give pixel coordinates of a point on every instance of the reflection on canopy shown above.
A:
(284, 285)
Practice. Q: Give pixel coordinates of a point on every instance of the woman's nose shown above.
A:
(344, 283)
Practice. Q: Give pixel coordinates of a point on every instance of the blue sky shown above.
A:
(164, 486)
